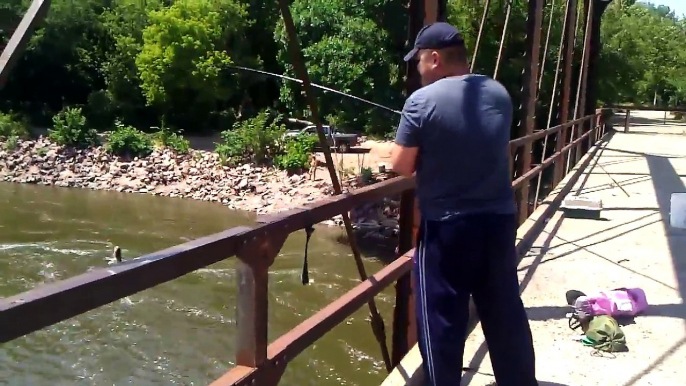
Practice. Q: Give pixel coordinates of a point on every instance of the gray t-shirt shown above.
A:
(462, 128)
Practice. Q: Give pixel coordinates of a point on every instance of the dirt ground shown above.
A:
(369, 154)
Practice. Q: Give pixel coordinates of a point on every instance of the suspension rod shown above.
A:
(301, 70)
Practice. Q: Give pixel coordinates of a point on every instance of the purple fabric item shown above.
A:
(618, 302)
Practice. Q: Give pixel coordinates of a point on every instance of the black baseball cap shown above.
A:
(436, 36)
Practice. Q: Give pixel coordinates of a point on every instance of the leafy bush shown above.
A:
(232, 149)
(11, 143)
(69, 129)
(165, 137)
(126, 141)
(99, 111)
(42, 151)
(366, 174)
(255, 139)
(297, 153)
(12, 126)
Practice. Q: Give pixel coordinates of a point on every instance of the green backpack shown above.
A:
(604, 334)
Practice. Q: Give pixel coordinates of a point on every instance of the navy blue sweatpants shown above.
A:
(471, 254)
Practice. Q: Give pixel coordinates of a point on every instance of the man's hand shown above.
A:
(404, 160)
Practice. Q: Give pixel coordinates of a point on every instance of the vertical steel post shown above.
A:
(581, 103)
(252, 308)
(529, 88)
(404, 334)
(626, 120)
(570, 36)
(599, 8)
(421, 12)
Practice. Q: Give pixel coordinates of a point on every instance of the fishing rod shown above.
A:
(315, 85)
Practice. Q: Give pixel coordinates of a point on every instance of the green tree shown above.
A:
(183, 61)
(126, 20)
(642, 60)
(345, 48)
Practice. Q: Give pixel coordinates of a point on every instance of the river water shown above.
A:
(181, 332)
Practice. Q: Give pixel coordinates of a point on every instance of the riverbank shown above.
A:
(197, 175)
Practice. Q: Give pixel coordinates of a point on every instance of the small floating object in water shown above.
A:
(116, 254)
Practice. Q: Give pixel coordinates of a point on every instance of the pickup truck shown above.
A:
(341, 141)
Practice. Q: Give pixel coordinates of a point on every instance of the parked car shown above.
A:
(341, 141)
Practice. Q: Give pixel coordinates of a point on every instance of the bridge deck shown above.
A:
(632, 245)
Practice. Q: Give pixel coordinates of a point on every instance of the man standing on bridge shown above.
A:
(454, 133)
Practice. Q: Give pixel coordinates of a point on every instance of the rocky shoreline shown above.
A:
(197, 175)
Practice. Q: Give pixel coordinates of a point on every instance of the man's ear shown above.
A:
(435, 58)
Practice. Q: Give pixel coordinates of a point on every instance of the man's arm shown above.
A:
(407, 139)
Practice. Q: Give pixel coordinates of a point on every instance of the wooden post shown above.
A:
(626, 120)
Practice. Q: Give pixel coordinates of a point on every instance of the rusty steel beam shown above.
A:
(403, 314)
(20, 38)
(52, 303)
(291, 344)
(592, 88)
(570, 37)
(576, 132)
(404, 325)
(580, 109)
(404, 336)
(252, 310)
(421, 12)
(529, 89)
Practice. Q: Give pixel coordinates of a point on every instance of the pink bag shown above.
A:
(618, 302)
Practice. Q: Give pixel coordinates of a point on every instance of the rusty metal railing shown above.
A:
(258, 361)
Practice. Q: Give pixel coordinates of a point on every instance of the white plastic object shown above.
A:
(677, 215)
(583, 203)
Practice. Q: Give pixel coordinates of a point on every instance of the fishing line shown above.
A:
(315, 85)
